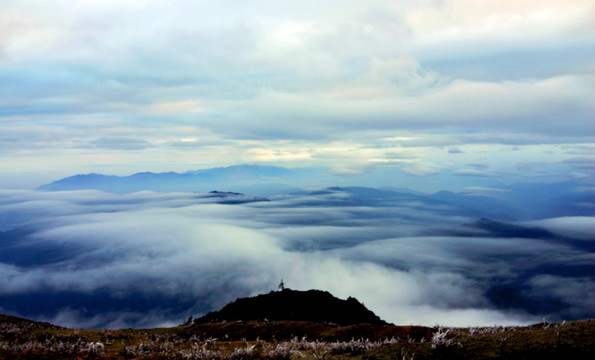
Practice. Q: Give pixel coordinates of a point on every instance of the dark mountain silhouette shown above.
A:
(293, 305)
(580, 204)
(489, 228)
(444, 202)
(501, 229)
(226, 197)
(18, 324)
(487, 205)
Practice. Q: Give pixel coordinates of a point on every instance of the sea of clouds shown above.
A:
(92, 259)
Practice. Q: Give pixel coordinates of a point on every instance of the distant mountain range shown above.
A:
(521, 201)
(196, 180)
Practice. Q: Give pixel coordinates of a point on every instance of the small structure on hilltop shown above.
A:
(293, 305)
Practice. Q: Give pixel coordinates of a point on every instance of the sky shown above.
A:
(431, 90)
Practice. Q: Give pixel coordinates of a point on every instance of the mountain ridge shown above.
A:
(510, 202)
(168, 181)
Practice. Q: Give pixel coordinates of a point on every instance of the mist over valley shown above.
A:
(142, 258)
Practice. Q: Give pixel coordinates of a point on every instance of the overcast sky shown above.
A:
(431, 87)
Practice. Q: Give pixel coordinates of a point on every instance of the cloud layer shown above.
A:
(148, 259)
(179, 85)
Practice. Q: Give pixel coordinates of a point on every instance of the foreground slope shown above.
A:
(24, 339)
(236, 332)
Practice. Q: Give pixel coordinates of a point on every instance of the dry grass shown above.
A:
(22, 339)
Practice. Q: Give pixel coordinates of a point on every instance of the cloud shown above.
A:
(346, 65)
(147, 259)
(576, 226)
(225, 83)
(475, 172)
(482, 189)
(121, 143)
(583, 163)
(460, 104)
(571, 291)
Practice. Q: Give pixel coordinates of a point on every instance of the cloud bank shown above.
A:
(180, 85)
(149, 259)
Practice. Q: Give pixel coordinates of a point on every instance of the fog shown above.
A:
(91, 259)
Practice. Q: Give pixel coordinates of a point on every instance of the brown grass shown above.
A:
(24, 339)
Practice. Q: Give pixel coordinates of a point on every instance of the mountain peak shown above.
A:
(293, 305)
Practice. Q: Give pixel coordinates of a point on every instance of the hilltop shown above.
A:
(292, 305)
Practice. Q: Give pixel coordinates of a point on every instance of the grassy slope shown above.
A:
(24, 339)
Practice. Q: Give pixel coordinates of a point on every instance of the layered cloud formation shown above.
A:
(177, 85)
(91, 259)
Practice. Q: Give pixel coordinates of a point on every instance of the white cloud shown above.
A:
(576, 226)
(118, 85)
(475, 172)
(177, 248)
